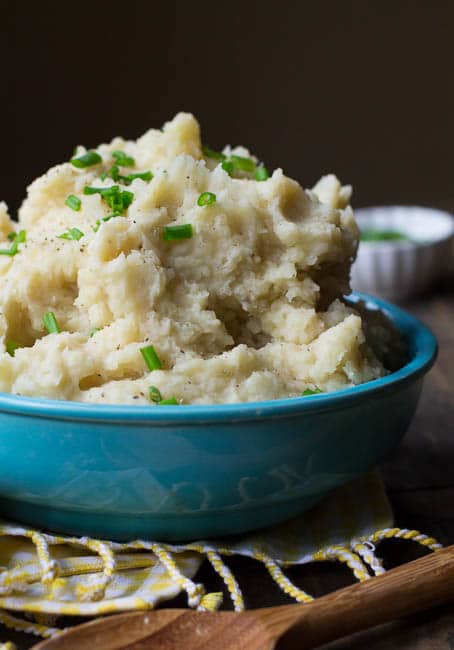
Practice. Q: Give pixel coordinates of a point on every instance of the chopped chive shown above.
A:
(126, 198)
(12, 346)
(211, 153)
(19, 238)
(382, 235)
(8, 251)
(122, 159)
(50, 323)
(154, 394)
(86, 160)
(308, 392)
(174, 233)
(12, 235)
(72, 233)
(206, 198)
(151, 358)
(108, 218)
(242, 163)
(99, 221)
(170, 401)
(93, 331)
(261, 173)
(118, 200)
(113, 172)
(88, 189)
(73, 202)
(228, 167)
(109, 193)
(144, 176)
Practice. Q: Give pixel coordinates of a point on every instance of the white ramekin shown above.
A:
(398, 270)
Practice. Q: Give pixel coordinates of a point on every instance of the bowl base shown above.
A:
(170, 528)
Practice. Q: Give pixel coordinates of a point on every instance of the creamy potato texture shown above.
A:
(247, 308)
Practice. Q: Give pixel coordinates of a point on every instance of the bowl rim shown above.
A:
(423, 354)
(443, 215)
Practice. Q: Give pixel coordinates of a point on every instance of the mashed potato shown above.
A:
(240, 304)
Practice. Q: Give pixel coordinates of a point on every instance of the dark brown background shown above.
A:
(361, 88)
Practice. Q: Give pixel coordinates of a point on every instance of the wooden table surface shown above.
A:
(420, 484)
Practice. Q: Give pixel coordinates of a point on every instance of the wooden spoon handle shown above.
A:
(417, 585)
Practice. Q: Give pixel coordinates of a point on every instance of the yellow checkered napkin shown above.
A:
(45, 576)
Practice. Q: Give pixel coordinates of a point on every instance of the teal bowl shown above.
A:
(190, 472)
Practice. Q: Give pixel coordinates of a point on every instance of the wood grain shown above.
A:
(430, 630)
(402, 591)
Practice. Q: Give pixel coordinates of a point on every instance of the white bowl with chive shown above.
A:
(403, 250)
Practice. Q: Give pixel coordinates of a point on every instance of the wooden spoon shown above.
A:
(405, 590)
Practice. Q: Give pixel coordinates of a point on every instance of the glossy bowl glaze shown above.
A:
(189, 472)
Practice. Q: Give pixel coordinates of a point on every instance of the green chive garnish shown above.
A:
(145, 176)
(123, 159)
(72, 233)
(382, 235)
(261, 173)
(243, 164)
(73, 202)
(93, 331)
(211, 153)
(151, 358)
(50, 323)
(108, 218)
(174, 233)
(19, 238)
(86, 160)
(11, 347)
(228, 167)
(113, 172)
(308, 392)
(206, 198)
(170, 401)
(126, 198)
(12, 235)
(94, 190)
(154, 394)
(118, 200)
